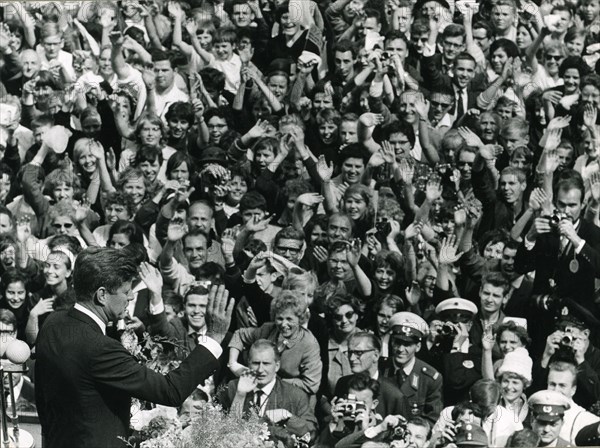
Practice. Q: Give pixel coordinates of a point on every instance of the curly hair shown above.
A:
(293, 301)
(65, 207)
(336, 301)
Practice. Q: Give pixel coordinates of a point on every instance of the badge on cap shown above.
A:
(406, 330)
(547, 409)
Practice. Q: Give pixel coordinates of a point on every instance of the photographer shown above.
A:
(563, 250)
(571, 342)
(353, 414)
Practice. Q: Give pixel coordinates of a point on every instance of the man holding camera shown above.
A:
(420, 383)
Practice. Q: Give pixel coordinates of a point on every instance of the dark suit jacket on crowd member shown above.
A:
(588, 435)
(283, 396)
(391, 399)
(85, 381)
(422, 389)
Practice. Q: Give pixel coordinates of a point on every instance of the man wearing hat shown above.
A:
(471, 435)
(548, 409)
(460, 365)
(418, 381)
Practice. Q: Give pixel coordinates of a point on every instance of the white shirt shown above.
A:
(575, 418)
(168, 97)
(89, 313)
(266, 390)
(231, 69)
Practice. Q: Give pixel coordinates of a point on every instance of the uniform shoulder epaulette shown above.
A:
(430, 371)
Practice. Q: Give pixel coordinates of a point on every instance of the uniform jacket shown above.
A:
(85, 381)
(422, 389)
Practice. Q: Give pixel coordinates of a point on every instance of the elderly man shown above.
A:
(85, 380)
(285, 407)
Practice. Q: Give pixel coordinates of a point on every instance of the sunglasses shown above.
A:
(359, 353)
(67, 225)
(340, 317)
(440, 105)
(550, 57)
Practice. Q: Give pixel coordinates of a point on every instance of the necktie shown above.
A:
(460, 108)
(258, 400)
(401, 377)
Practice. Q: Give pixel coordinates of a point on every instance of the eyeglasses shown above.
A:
(550, 57)
(340, 317)
(452, 45)
(464, 163)
(359, 353)
(440, 105)
(290, 250)
(66, 225)
(335, 262)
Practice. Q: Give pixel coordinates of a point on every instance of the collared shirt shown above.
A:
(266, 390)
(168, 97)
(464, 97)
(408, 368)
(529, 245)
(89, 313)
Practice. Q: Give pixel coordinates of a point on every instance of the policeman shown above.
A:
(471, 435)
(455, 357)
(548, 409)
(418, 381)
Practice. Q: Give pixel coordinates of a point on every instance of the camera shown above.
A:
(351, 406)
(556, 218)
(383, 227)
(447, 331)
(400, 432)
(567, 340)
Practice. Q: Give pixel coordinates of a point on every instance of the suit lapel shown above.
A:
(82, 317)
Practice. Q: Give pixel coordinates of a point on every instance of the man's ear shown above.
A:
(180, 314)
(101, 296)
(277, 366)
(375, 404)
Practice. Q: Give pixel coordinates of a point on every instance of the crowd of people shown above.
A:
(401, 199)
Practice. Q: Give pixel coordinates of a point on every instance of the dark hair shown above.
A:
(363, 381)
(7, 317)
(211, 271)
(573, 182)
(100, 267)
(338, 300)
(288, 233)
(493, 237)
(178, 159)
(213, 79)
(509, 47)
(573, 62)
(354, 151)
(120, 198)
(464, 56)
(172, 298)
(345, 45)
(12, 275)
(69, 242)
(129, 228)
(221, 112)
(465, 406)
(484, 25)
(400, 127)
(518, 330)
(137, 252)
(161, 55)
(251, 200)
(180, 110)
(454, 30)
(420, 421)
(486, 394)
(523, 438)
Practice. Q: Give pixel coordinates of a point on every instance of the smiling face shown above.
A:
(136, 189)
(572, 80)
(289, 25)
(503, 17)
(511, 188)
(178, 128)
(195, 310)
(492, 297)
(165, 75)
(328, 132)
(242, 15)
(56, 269)
(499, 58)
(86, 160)
(237, 189)
(384, 277)
(575, 46)
(355, 206)
(362, 355)
(383, 316)
(509, 341)
(278, 85)
(464, 72)
(344, 320)
(217, 126)
(552, 60)
(150, 134)
(349, 132)
(403, 351)
(150, 169)
(15, 294)
(489, 128)
(287, 323)
(113, 212)
(338, 266)
(195, 250)
(352, 170)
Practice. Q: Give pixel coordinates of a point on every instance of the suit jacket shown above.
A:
(391, 400)
(545, 259)
(422, 389)
(85, 381)
(434, 77)
(283, 396)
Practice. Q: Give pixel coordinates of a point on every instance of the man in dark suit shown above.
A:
(453, 68)
(420, 383)
(285, 406)
(85, 380)
(364, 351)
(565, 256)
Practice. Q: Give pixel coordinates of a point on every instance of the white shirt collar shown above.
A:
(408, 368)
(268, 388)
(96, 319)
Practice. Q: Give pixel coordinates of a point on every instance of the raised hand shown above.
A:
(191, 26)
(320, 254)
(413, 293)
(149, 78)
(470, 138)
(559, 122)
(552, 96)
(177, 230)
(537, 198)
(81, 211)
(387, 152)
(44, 306)
(448, 251)
(552, 161)
(433, 189)
(422, 107)
(353, 252)
(370, 119)
(490, 152)
(413, 230)
(227, 243)
(553, 139)
(325, 171)
(218, 313)
(590, 115)
(310, 199)
(23, 228)
(460, 216)
(376, 160)
(256, 225)
(407, 171)
(259, 129)
(488, 339)
(595, 186)
(151, 278)
(247, 382)
(175, 10)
